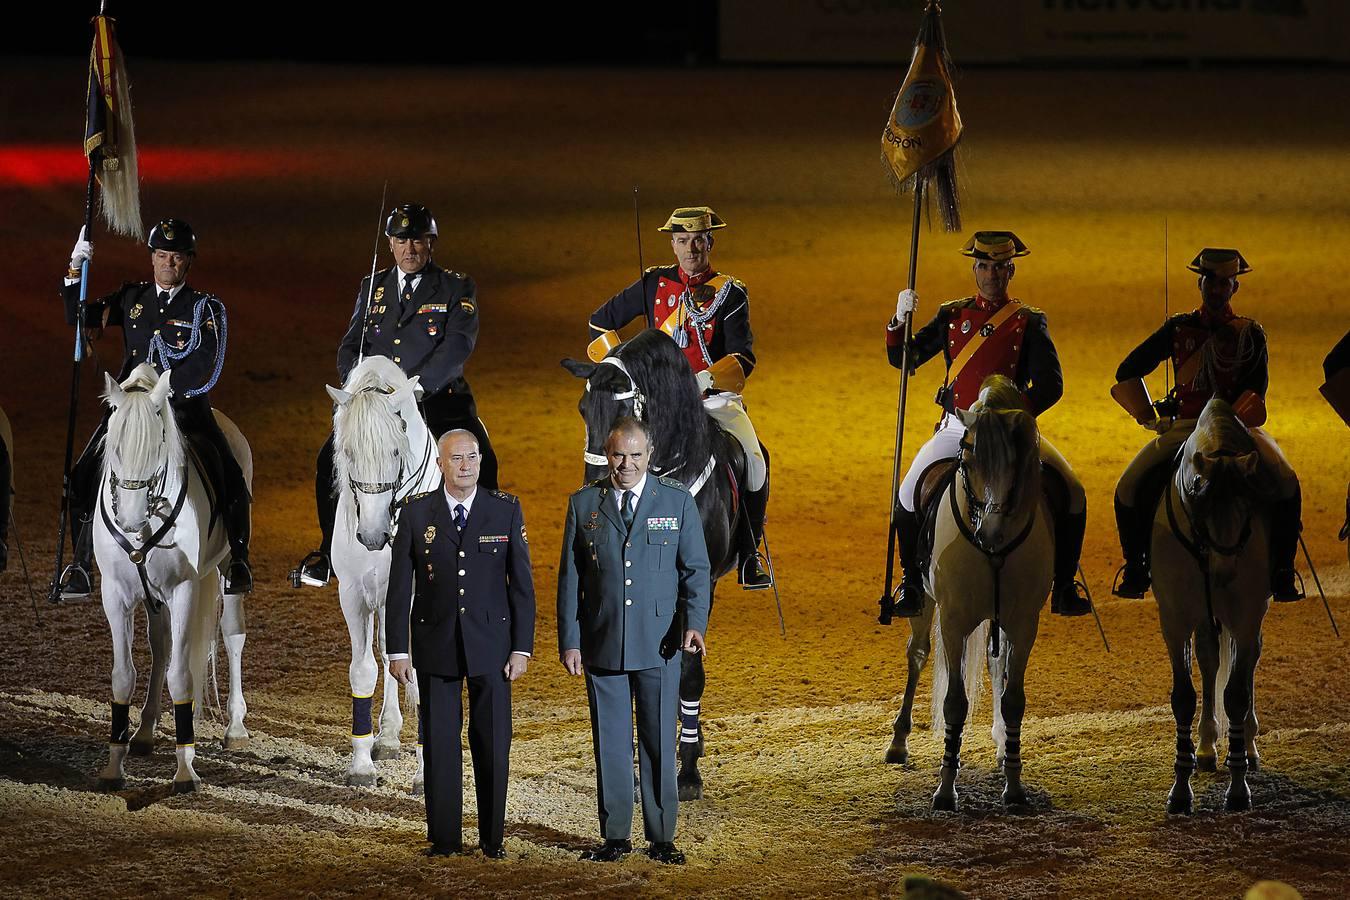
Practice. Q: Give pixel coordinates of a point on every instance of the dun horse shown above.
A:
(991, 560)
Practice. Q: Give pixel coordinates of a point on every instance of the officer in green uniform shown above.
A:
(633, 591)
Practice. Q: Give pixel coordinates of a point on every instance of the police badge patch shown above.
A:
(522, 535)
(379, 294)
(136, 311)
(430, 534)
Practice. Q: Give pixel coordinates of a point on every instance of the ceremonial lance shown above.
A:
(110, 146)
(918, 147)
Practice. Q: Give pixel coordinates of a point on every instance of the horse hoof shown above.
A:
(381, 752)
(185, 787)
(111, 785)
(691, 790)
(418, 789)
(235, 742)
(944, 803)
(1179, 806)
(141, 748)
(897, 756)
(1016, 797)
(1238, 802)
(1253, 764)
(1207, 763)
(361, 779)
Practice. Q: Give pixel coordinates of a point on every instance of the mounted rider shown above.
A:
(986, 334)
(707, 314)
(425, 319)
(1214, 353)
(173, 327)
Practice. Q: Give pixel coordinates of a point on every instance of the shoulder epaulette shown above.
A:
(597, 483)
(1034, 310)
(671, 482)
(650, 269)
(503, 495)
(959, 303)
(411, 498)
(1178, 317)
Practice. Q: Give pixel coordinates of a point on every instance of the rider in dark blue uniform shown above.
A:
(175, 328)
(425, 319)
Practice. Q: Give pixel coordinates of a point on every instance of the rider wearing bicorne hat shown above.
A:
(1214, 353)
(989, 333)
(175, 328)
(707, 314)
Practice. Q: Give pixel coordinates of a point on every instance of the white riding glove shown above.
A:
(83, 250)
(704, 380)
(906, 303)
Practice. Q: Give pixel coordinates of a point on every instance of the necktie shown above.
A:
(460, 517)
(164, 297)
(408, 286)
(627, 509)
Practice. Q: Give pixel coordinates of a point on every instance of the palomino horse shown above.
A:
(159, 542)
(383, 453)
(649, 378)
(992, 555)
(1211, 578)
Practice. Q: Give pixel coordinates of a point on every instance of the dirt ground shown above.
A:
(531, 174)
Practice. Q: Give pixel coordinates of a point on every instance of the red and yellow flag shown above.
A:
(924, 123)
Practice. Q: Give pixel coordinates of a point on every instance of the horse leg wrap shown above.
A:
(121, 723)
(1185, 763)
(1237, 749)
(1012, 749)
(951, 757)
(689, 721)
(182, 724)
(362, 725)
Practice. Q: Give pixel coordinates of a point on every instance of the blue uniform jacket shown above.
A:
(448, 587)
(625, 598)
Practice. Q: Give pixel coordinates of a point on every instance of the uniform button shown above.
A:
(423, 621)
(629, 544)
(628, 582)
(627, 563)
(398, 340)
(398, 359)
(462, 609)
(461, 553)
(628, 603)
(461, 571)
(157, 330)
(461, 592)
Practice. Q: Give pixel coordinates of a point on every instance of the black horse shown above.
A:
(649, 377)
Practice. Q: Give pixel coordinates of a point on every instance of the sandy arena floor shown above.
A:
(279, 168)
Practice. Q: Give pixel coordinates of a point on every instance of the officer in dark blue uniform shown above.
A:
(165, 323)
(425, 319)
(461, 598)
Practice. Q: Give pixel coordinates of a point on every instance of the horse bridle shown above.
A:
(393, 487)
(968, 530)
(1201, 545)
(634, 393)
(139, 555)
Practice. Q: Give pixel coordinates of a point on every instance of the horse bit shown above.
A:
(392, 487)
(154, 503)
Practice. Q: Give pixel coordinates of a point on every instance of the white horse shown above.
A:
(992, 556)
(383, 453)
(156, 544)
(1211, 578)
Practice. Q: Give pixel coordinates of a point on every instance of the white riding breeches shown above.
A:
(946, 444)
(729, 411)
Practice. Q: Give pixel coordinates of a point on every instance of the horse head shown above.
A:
(999, 464)
(610, 393)
(371, 445)
(1220, 481)
(142, 443)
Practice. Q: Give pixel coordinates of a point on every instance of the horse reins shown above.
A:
(138, 555)
(995, 558)
(393, 487)
(1202, 545)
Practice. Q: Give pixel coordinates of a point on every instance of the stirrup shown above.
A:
(910, 609)
(76, 583)
(314, 570)
(238, 577)
(1070, 600)
(1121, 586)
(1294, 593)
(752, 576)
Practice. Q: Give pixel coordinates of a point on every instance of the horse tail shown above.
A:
(205, 618)
(975, 648)
(1227, 650)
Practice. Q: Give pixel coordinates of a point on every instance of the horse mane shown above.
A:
(1220, 435)
(368, 426)
(134, 432)
(1006, 439)
(674, 411)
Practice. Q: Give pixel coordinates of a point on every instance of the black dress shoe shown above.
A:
(443, 850)
(612, 850)
(1070, 600)
(494, 852)
(666, 852)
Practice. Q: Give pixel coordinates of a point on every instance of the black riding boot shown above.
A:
(239, 577)
(911, 580)
(1068, 597)
(1134, 536)
(750, 532)
(1285, 525)
(316, 568)
(77, 578)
